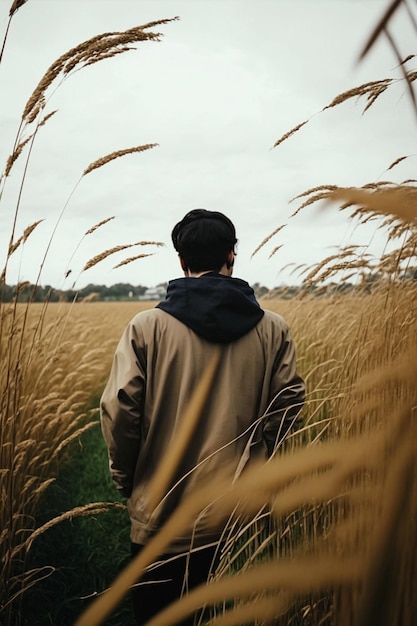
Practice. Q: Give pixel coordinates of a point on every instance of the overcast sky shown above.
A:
(226, 81)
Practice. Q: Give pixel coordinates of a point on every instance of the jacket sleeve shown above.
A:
(121, 410)
(287, 395)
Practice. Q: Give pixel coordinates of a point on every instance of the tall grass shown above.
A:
(324, 532)
(329, 488)
(51, 363)
(80, 556)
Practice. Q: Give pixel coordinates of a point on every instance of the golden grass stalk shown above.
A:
(93, 508)
(132, 258)
(408, 76)
(265, 241)
(46, 118)
(35, 421)
(396, 162)
(371, 89)
(96, 226)
(400, 201)
(381, 578)
(300, 576)
(74, 435)
(107, 55)
(16, 5)
(19, 147)
(289, 133)
(381, 26)
(15, 155)
(103, 255)
(90, 231)
(26, 233)
(115, 155)
(316, 194)
(262, 609)
(99, 45)
(274, 250)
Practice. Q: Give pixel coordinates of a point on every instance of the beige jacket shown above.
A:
(156, 368)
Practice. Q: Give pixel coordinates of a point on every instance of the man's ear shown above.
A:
(183, 265)
(230, 259)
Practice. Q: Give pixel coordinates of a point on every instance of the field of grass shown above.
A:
(334, 487)
(55, 359)
(321, 534)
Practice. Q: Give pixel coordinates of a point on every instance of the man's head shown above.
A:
(205, 241)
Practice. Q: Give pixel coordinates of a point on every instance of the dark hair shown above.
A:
(203, 239)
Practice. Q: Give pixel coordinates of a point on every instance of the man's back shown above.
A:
(170, 359)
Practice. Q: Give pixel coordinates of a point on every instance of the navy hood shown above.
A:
(218, 308)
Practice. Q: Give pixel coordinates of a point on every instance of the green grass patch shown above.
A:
(86, 553)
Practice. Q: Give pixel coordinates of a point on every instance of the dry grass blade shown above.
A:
(275, 250)
(411, 76)
(408, 58)
(261, 245)
(382, 577)
(16, 6)
(93, 228)
(93, 508)
(158, 244)
(103, 255)
(374, 95)
(411, 17)
(312, 190)
(301, 575)
(400, 201)
(132, 258)
(289, 133)
(3, 45)
(158, 22)
(107, 55)
(371, 89)
(19, 148)
(15, 155)
(315, 197)
(394, 163)
(46, 118)
(75, 435)
(262, 610)
(380, 27)
(101, 46)
(27, 232)
(405, 74)
(115, 155)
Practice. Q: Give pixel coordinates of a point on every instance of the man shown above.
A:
(255, 398)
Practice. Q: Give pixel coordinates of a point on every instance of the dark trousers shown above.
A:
(188, 570)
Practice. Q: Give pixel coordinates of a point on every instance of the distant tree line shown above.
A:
(28, 292)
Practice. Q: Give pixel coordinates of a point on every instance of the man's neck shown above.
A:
(198, 274)
(224, 271)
